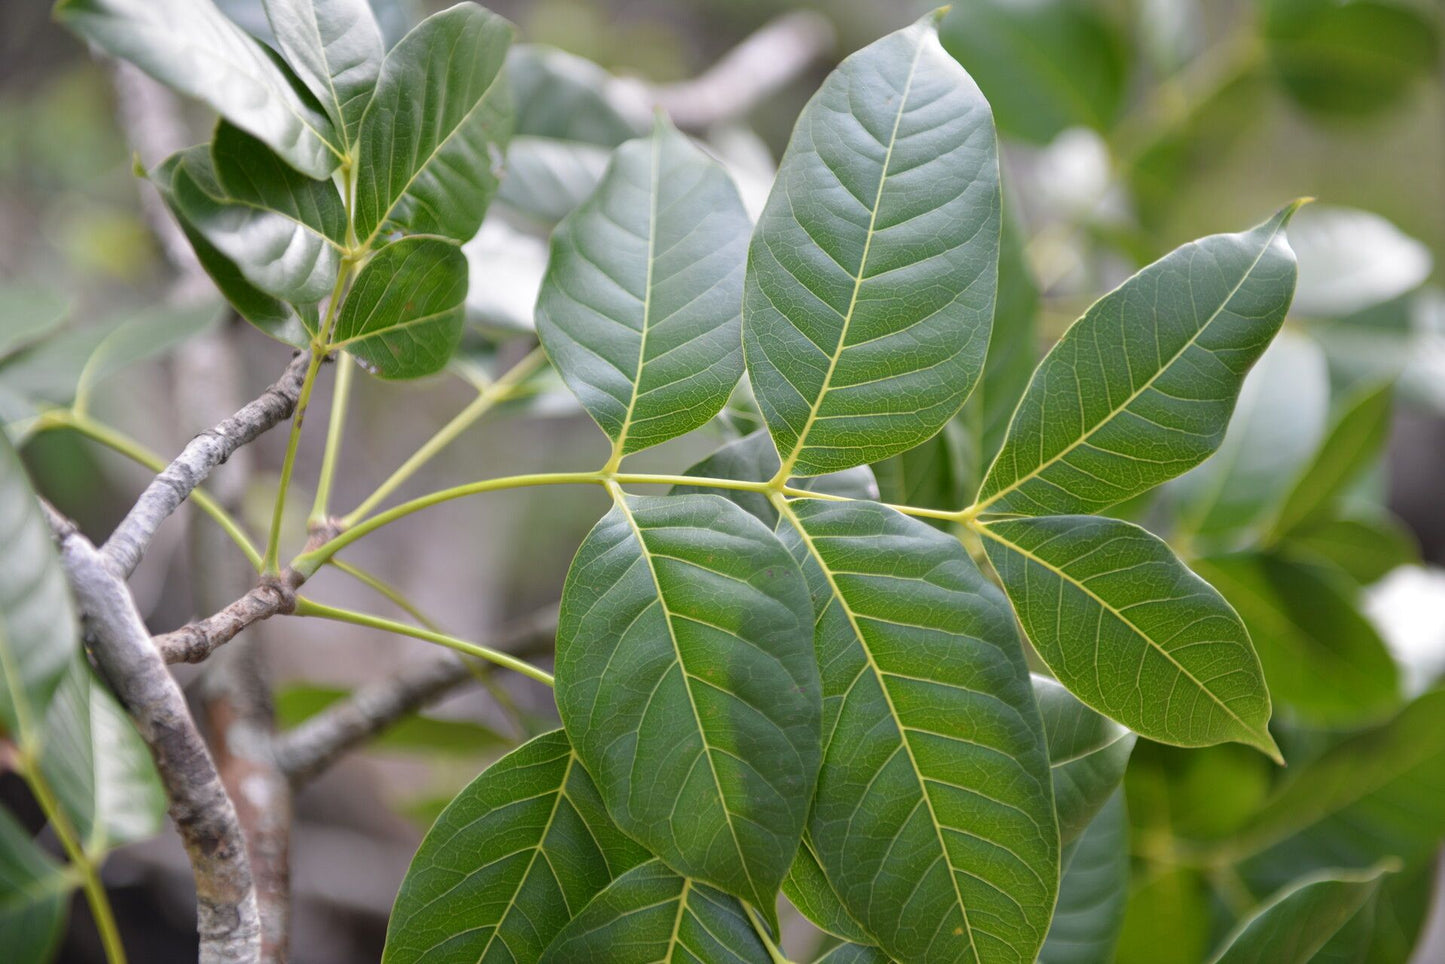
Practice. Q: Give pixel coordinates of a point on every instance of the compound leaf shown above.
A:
(639, 306)
(686, 680)
(871, 274)
(509, 862)
(1131, 631)
(934, 817)
(1142, 386)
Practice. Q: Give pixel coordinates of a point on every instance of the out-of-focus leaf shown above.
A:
(867, 310)
(931, 475)
(1277, 425)
(1401, 909)
(566, 98)
(1166, 920)
(1093, 890)
(34, 895)
(524, 847)
(1350, 260)
(753, 458)
(435, 171)
(404, 314)
(28, 314)
(1374, 796)
(415, 733)
(1310, 920)
(192, 47)
(639, 309)
(1407, 608)
(1087, 756)
(652, 914)
(1045, 65)
(1141, 388)
(139, 337)
(1365, 549)
(1118, 617)
(1321, 657)
(335, 48)
(548, 179)
(1194, 794)
(1401, 340)
(1350, 57)
(505, 268)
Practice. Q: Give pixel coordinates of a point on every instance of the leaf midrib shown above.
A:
(619, 447)
(1133, 396)
(786, 508)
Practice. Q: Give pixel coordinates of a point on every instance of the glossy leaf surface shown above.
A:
(335, 47)
(871, 275)
(1142, 386)
(639, 306)
(1131, 631)
(933, 818)
(191, 46)
(1087, 755)
(652, 914)
(433, 137)
(510, 861)
(686, 680)
(404, 314)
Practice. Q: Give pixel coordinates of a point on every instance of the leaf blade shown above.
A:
(1087, 755)
(1302, 920)
(335, 46)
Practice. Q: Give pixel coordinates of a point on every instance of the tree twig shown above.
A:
(749, 73)
(227, 917)
(306, 751)
(193, 642)
(123, 550)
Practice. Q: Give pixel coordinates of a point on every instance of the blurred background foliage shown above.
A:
(1130, 127)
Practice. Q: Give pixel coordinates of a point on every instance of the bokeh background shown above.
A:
(1130, 127)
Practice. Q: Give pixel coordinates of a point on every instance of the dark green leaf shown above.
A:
(39, 634)
(1131, 631)
(1401, 910)
(1142, 387)
(639, 306)
(34, 895)
(1093, 890)
(335, 48)
(1321, 657)
(1307, 921)
(1350, 56)
(686, 680)
(1195, 794)
(808, 889)
(1363, 548)
(518, 852)
(934, 816)
(1087, 755)
(652, 914)
(1376, 795)
(432, 139)
(854, 954)
(1045, 65)
(753, 458)
(404, 314)
(192, 47)
(563, 97)
(871, 274)
(1352, 445)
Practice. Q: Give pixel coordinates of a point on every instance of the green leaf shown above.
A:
(1401, 909)
(549, 179)
(101, 772)
(564, 97)
(934, 816)
(1045, 65)
(139, 336)
(1310, 917)
(1087, 756)
(34, 896)
(929, 476)
(639, 306)
(335, 48)
(27, 315)
(686, 680)
(514, 856)
(1093, 890)
(39, 634)
(267, 312)
(281, 229)
(808, 889)
(190, 46)
(1350, 57)
(1353, 444)
(1278, 423)
(1142, 386)
(404, 314)
(1166, 920)
(432, 139)
(1375, 795)
(1131, 631)
(854, 954)
(753, 458)
(1196, 794)
(1321, 656)
(1365, 549)
(652, 914)
(871, 274)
